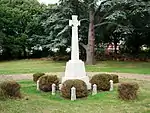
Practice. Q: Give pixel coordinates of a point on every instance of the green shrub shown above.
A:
(115, 78)
(81, 88)
(2, 95)
(102, 81)
(36, 76)
(128, 91)
(10, 89)
(46, 81)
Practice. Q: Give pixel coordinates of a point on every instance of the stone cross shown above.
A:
(94, 92)
(111, 85)
(73, 93)
(53, 89)
(75, 68)
(37, 85)
(75, 44)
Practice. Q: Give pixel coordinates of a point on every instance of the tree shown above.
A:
(15, 15)
(57, 31)
(136, 31)
(107, 22)
(98, 17)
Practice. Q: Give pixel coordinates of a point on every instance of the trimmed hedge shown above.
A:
(46, 81)
(128, 91)
(2, 95)
(10, 89)
(36, 76)
(81, 88)
(102, 81)
(115, 78)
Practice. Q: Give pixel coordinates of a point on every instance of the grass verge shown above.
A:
(33, 66)
(103, 102)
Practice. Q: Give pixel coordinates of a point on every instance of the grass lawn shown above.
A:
(103, 102)
(33, 66)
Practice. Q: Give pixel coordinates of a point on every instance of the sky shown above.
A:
(48, 1)
(56, 1)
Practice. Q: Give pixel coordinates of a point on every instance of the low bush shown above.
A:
(36, 76)
(46, 81)
(10, 89)
(102, 81)
(128, 91)
(2, 95)
(115, 78)
(81, 88)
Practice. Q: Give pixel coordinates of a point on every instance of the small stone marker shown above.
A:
(94, 92)
(53, 89)
(60, 86)
(111, 85)
(37, 85)
(73, 93)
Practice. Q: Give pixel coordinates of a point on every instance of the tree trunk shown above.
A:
(115, 45)
(91, 41)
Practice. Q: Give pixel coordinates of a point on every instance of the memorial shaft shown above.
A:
(74, 43)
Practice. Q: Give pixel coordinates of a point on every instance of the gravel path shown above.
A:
(29, 76)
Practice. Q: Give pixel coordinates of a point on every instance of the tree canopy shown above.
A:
(28, 27)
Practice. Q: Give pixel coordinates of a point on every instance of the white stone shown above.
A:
(60, 86)
(53, 89)
(94, 92)
(75, 44)
(37, 85)
(73, 94)
(111, 85)
(75, 68)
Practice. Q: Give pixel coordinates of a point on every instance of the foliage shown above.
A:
(81, 88)
(55, 22)
(46, 81)
(10, 89)
(128, 91)
(29, 29)
(112, 23)
(136, 32)
(2, 95)
(15, 16)
(115, 78)
(36, 76)
(102, 81)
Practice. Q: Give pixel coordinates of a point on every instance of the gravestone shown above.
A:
(73, 93)
(37, 86)
(94, 92)
(75, 68)
(111, 85)
(53, 89)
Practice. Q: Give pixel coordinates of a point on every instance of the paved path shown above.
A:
(29, 76)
